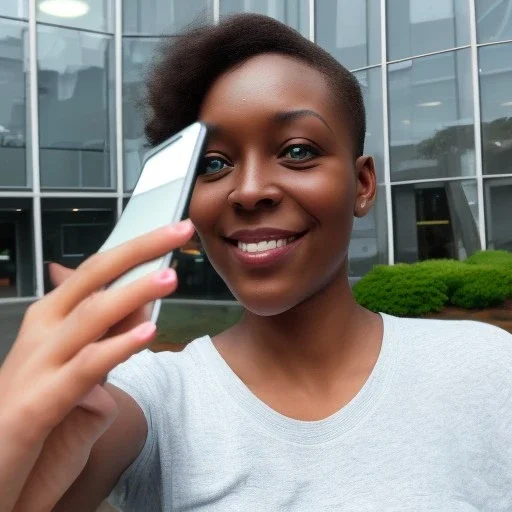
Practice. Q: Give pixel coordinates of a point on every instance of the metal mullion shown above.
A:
(429, 54)
(490, 176)
(119, 131)
(311, 6)
(432, 180)
(492, 43)
(14, 193)
(72, 194)
(34, 147)
(385, 119)
(477, 124)
(365, 68)
(216, 11)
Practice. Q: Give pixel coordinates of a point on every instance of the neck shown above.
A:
(326, 334)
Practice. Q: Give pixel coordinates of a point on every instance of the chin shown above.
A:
(267, 302)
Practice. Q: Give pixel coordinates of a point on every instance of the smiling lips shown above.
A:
(263, 246)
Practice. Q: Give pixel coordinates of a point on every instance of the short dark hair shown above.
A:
(189, 64)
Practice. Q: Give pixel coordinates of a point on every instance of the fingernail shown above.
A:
(167, 276)
(144, 331)
(183, 226)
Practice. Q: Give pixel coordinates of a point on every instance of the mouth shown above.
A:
(263, 246)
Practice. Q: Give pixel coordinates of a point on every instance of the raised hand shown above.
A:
(52, 405)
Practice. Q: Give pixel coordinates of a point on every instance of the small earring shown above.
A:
(363, 204)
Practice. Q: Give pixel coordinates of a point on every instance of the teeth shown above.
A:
(265, 245)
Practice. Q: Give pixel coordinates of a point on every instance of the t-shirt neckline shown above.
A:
(302, 431)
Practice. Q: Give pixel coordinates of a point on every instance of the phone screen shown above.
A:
(160, 196)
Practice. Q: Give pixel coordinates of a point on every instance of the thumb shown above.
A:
(58, 273)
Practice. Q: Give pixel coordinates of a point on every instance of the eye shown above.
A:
(213, 165)
(299, 152)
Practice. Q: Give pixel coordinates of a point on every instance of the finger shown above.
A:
(94, 316)
(103, 268)
(58, 273)
(95, 360)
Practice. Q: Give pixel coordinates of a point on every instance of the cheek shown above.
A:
(204, 204)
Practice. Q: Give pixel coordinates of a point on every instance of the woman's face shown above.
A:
(280, 185)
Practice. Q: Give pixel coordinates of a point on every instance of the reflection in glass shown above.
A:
(13, 99)
(369, 241)
(14, 8)
(349, 31)
(493, 20)
(431, 117)
(159, 17)
(415, 27)
(76, 108)
(87, 14)
(75, 228)
(435, 220)
(16, 248)
(496, 107)
(137, 56)
(371, 87)
(498, 212)
(294, 13)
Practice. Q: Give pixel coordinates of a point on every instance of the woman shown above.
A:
(310, 402)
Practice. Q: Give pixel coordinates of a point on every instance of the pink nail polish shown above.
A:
(144, 331)
(183, 226)
(167, 276)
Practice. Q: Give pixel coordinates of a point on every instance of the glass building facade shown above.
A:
(437, 83)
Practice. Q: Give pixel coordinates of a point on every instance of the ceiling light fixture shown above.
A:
(75, 209)
(507, 104)
(64, 8)
(429, 104)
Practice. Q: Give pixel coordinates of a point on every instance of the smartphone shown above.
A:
(159, 198)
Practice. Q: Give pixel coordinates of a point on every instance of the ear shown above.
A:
(366, 185)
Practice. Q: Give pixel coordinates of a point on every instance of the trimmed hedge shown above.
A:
(483, 280)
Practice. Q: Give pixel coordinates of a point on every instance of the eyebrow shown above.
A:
(291, 115)
(285, 116)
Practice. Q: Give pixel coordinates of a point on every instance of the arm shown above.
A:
(111, 455)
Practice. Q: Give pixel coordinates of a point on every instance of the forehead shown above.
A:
(269, 82)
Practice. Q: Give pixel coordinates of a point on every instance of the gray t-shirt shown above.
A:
(431, 430)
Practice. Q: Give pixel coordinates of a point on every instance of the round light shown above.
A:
(64, 8)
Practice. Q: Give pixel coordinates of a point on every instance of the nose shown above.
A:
(254, 189)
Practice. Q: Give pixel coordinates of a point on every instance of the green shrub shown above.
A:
(502, 259)
(401, 290)
(487, 287)
(484, 280)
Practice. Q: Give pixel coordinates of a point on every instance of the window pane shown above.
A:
(75, 228)
(493, 20)
(496, 108)
(14, 8)
(349, 31)
(76, 108)
(371, 87)
(17, 276)
(137, 56)
(158, 17)
(294, 13)
(415, 27)
(431, 117)
(369, 241)
(88, 14)
(435, 220)
(498, 212)
(13, 99)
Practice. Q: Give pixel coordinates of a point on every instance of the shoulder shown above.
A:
(456, 356)
(155, 372)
